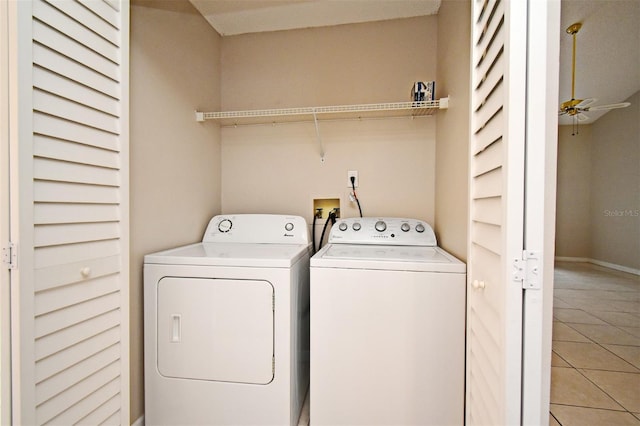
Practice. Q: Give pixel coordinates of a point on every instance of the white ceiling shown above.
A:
(607, 59)
(232, 17)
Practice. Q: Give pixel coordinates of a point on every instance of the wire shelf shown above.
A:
(324, 112)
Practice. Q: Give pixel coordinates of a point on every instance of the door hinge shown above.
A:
(527, 270)
(10, 256)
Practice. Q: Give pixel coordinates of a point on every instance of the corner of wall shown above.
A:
(452, 134)
(615, 186)
(598, 197)
(573, 193)
(175, 161)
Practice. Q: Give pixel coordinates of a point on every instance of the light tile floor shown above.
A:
(595, 369)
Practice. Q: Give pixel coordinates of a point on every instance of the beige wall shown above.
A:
(278, 168)
(175, 161)
(615, 183)
(598, 200)
(573, 196)
(344, 64)
(452, 136)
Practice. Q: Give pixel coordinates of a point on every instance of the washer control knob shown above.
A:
(381, 226)
(343, 226)
(356, 226)
(289, 226)
(225, 225)
(420, 228)
(405, 227)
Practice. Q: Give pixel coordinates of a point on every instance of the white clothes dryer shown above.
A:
(387, 327)
(226, 325)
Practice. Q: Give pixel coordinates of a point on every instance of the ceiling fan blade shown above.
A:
(610, 106)
(586, 102)
(582, 117)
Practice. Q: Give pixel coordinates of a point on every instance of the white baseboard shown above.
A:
(572, 259)
(599, 263)
(616, 267)
(139, 421)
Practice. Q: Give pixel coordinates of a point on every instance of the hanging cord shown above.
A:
(353, 186)
(332, 219)
(313, 231)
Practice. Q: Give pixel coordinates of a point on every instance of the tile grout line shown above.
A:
(574, 277)
(601, 345)
(578, 370)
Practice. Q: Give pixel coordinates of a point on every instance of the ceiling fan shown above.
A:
(577, 107)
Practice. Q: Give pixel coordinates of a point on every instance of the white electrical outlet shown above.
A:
(353, 173)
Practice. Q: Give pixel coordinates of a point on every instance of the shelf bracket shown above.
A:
(318, 138)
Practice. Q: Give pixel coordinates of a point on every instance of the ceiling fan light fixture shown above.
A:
(576, 107)
(570, 104)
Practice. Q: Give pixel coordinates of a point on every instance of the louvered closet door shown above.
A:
(542, 137)
(5, 277)
(73, 214)
(496, 211)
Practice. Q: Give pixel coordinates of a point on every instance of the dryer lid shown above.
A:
(232, 254)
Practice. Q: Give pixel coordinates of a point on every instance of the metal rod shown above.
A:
(573, 68)
(319, 139)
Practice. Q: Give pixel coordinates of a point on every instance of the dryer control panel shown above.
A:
(257, 229)
(383, 231)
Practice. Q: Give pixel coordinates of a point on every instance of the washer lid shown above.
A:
(382, 257)
(232, 254)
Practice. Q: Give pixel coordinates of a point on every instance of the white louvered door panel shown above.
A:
(72, 221)
(542, 138)
(5, 276)
(497, 139)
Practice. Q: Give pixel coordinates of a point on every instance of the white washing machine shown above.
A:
(226, 325)
(387, 327)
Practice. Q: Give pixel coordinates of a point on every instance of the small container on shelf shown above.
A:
(423, 91)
